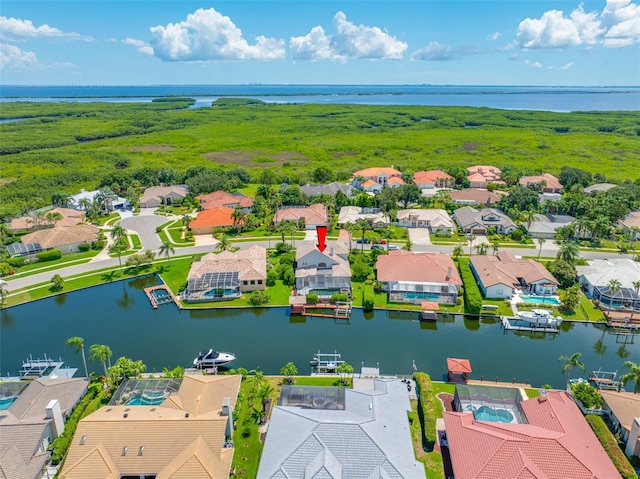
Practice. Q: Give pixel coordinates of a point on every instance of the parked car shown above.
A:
(363, 241)
(378, 246)
(393, 246)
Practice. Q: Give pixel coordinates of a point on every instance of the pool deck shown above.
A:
(161, 287)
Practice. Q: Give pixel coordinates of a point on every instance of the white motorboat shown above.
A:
(540, 318)
(208, 358)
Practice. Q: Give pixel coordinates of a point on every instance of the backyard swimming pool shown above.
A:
(6, 402)
(552, 300)
(152, 398)
(486, 413)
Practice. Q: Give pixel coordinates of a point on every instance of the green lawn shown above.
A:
(66, 260)
(585, 311)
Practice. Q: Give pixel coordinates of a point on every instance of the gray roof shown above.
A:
(549, 223)
(33, 400)
(369, 439)
(328, 189)
(600, 271)
(467, 216)
(589, 190)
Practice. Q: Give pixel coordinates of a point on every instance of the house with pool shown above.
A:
(493, 432)
(325, 271)
(502, 275)
(410, 277)
(226, 275)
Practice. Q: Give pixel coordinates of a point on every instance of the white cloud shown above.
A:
(533, 64)
(567, 66)
(13, 58)
(617, 25)
(142, 47)
(14, 29)
(435, 51)
(209, 35)
(350, 41)
(495, 36)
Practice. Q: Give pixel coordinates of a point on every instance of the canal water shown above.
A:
(120, 315)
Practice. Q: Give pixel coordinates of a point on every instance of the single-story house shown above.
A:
(598, 187)
(331, 432)
(155, 196)
(499, 276)
(474, 196)
(329, 189)
(186, 436)
(226, 275)
(555, 442)
(323, 272)
(624, 412)
(478, 221)
(67, 239)
(207, 220)
(435, 220)
(33, 421)
(381, 176)
(219, 199)
(70, 217)
(314, 215)
(413, 277)
(551, 183)
(595, 278)
(427, 180)
(546, 226)
(374, 216)
(481, 175)
(631, 221)
(119, 203)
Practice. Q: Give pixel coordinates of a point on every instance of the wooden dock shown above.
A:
(161, 287)
(510, 323)
(339, 310)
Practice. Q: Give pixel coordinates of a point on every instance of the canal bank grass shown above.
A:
(66, 260)
(585, 311)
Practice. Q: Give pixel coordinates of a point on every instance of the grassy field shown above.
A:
(65, 147)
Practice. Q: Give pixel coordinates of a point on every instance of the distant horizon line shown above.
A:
(315, 84)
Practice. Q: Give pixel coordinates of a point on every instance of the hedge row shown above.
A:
(426, 409)
(472, 296)
(50, 255)
(610, 445)
(368, 298)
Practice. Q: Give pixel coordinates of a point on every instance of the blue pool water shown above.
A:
(6, 402)
(227, 292)
(553, 300)
(146, 399)
(485, 413)
(429, 296)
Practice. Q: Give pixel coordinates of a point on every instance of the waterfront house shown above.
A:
(312, 216)
(413, 277)
(226, 275)
(187, 435)
(207, 220)
(322, 272)
(547, 183)
(67, 239)
(480, 176)
(596, 276)
(631, 224)
(155, 196)
(219, 199)
(623, 408)
(435, 220)
(478, 221)
(329, 189)
(70, 217)
(474, 196)
(546, 226)
(330, 432)
(368, 178)
(33, 421)
(428, 180)
(352, 214)
(553, 441)
(499, 276)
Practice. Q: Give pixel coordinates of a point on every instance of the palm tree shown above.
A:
(495, 246)
(224, 244)
(239, 216)
(344, 370)
(614, 287)
(84, 204)
(288, 371)
(470, 237)
(636, 289)
(78, 343)
(632, 375)
(541, 241)
(408, 245)
(61, 199)
(528, 217)
(481, 248)
(568, 251)
(185, 220)
(105, 198)
(102, 353)
(4, 291)
(457, 251)
(119, 235)
(571, 362)
(53, 217)
(166, 249)
(349, 228)
(363, 226)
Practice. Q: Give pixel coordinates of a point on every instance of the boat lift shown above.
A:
(326, 363)
(605, 380)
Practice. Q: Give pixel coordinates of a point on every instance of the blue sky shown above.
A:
(515, 42)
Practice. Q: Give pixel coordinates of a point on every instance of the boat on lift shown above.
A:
(540, 318)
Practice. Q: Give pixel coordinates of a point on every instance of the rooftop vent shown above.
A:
(140, 451)
(124, 450)
(186, 414)
(125, 415)
(83, 439)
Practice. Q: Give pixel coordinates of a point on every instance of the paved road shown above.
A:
(145, 225)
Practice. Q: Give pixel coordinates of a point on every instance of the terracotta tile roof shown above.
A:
(62, 236)
(477, 195)
(368, 184)
(506, 269)
(631, 220)
(315, 214)
(456, 365)
(395, 180)
(217, 217)
(624, 405)
(557, 443)
(70, 217)
(552, 181)
(250, 263)
(419, 267)
(375, 171)
(222, 198)
(484, 169)
(431, 176)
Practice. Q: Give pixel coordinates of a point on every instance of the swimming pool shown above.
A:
(6, 402)
(486, 413)
(553, 300)
(152, 398)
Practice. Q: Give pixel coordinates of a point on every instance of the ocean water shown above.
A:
(503, 97)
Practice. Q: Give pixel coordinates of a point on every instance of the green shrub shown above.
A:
(283, 248)
(98, 244)
(516, 235)
(610, 445)
(368, 298)
(587, 395)
(6, 269)
(335, 297)
(258, 298)
(472, 296)
(426, 409)
(17, 262)
(272, 276)
(84, 247)
(289, 277)
(312, 298)
(51, 255)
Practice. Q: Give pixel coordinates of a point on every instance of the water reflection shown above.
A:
(60, 299)
(472, 324)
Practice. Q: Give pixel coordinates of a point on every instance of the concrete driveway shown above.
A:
(419, 236)
(145, 225)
